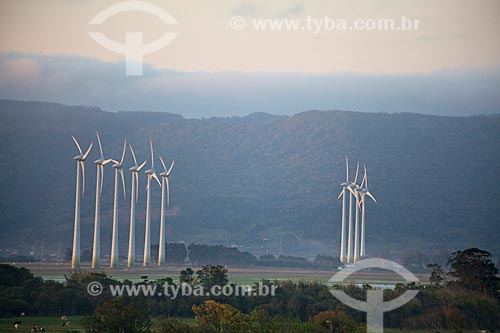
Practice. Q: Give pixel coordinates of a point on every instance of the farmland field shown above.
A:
(237, 275)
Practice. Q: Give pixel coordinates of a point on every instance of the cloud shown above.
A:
(20, 70)
(77, 80)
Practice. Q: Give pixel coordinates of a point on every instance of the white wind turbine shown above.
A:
(100, 163)
(343, 195)
(80, 159)
(364, 192)
(352, 187)
(118, 166)
(164, 183)
(135, 169)
(147, 237)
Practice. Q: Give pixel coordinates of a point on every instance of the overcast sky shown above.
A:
(450, 65)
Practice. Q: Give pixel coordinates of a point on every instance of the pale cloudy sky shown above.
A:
(452, 33)
(45, 43)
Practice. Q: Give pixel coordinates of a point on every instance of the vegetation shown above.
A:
(464, 296)
(117, 316)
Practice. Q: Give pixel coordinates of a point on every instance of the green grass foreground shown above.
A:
(53, 324)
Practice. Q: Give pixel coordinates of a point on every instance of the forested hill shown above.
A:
(257, 181)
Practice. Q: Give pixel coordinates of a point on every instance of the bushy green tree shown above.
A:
(116, 316)
(212, 275)
(474, 270)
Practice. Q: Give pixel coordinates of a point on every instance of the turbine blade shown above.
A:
(170, 169)
(108, 160)
(341, 193)
(83, 178)
(88, 151)
(149, 182)
(371, 196)
(357, 171)
(157, 179)
(124, 150)
(101, 168)
(77, 144)
(163, 163)
(152, 154)
(366, 181)
(168, 192)
(123, 183)
(100, 145)
(142, 165)
(136, 186)
(346, 169)
(352, 191)
(133, 155)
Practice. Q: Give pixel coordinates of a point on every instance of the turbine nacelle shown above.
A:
(102, 161)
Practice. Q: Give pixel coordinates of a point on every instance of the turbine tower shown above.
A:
(364, 192)
(133, 200)
(356, 189)
(100, 163)
(351, 188)
(118, 166)
(343, 195)
(80, 159)
(164, 183)
(147, 237)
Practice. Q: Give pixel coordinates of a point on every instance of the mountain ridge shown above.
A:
(241, 180)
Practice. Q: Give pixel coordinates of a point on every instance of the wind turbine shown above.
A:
(343, 194)
(80, 159)
(164, 183)
(118, 166)
(133, 199)
(364, 192)
(100, 163)
(352, 186)
(147, 237)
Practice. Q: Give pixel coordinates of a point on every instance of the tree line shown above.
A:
(463, 295)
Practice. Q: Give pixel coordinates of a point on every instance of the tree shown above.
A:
(14, 276)
(212, 275)
(187, 276)
(117, 316)
(171, 325)
(217, 317)
(176, 253)
(68, 254)
(474, 270)
(335, 321)
(437, 274)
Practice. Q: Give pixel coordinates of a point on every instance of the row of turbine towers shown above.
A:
(135, 169)
(357, 193)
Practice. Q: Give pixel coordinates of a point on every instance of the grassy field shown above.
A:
(51, 324)
(57, 272)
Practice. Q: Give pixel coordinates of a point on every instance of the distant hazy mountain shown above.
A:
(253, 180)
